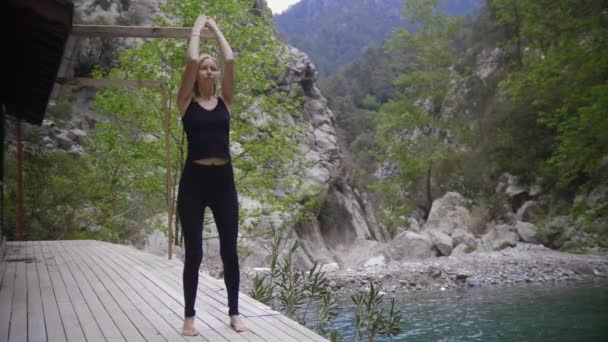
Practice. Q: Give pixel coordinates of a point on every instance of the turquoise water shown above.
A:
(523, 313)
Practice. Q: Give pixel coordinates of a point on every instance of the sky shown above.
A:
(278, 6)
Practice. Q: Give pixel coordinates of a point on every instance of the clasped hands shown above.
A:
(202, 22)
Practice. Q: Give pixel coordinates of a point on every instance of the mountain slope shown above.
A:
(335, 32)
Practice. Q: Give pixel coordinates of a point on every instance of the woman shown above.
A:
(208, 179)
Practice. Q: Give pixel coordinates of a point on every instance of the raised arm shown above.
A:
(189, 76)
(227, 55)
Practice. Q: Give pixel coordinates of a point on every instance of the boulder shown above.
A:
(557, 232)
(461, 249)
(597, 197)
(460, 236)
(529, 211)
(511, 186)
(500, 237)
(526, 231)
(442, 242)
(330, 267)
(376, 261)
(409, 245)
(448, 213)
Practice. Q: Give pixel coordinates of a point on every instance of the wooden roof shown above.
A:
(34, 34)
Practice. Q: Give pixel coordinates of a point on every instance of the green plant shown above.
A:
(302, 296)
(370, 319)
(261, 291)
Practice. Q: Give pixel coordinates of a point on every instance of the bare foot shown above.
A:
(237, 325)
(188, 329)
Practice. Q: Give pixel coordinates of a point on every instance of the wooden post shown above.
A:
(169, 183)
(2, 231)
(20, 195)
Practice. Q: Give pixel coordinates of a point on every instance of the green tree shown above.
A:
(559, 82)
(264, 148)
(410, 129)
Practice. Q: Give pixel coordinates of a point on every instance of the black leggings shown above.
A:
(212, 186)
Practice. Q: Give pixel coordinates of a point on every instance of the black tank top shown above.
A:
(207, 131)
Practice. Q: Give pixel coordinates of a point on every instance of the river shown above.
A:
(564, 312)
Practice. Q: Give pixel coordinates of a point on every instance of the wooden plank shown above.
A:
(6, 300)
(265, 333)
(148, 263)
(168, 307)
(84, 314)
(115, 286)
(36, 330)
(212, 291)
(100, 315)
(210, 300)
(139, 298)
(93, 82)
(309, 333)
(122, 321)
(247, 306)
(294, 328)
(276, 330)
(115, 31)
(71, 326)
(167, 295)
(18, 328)
(52, 318)
(260, 328)
(206, 312)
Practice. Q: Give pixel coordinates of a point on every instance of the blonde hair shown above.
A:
(204, 57)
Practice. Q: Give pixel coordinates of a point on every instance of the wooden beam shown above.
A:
(113, 31)
(91, 82)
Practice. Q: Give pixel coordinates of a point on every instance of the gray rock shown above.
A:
(65, 140)
(460, 250)
(487, 62)
(448, 213)
(500, 237)
(597, 197)
(557, 232)
(442, 242)
(409, 245)
(376, 261)
(527, 232)
(330, 267)
(460, 236)
(413, 224)
(529, 211)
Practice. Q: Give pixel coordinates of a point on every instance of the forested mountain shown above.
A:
(454, 106)
(335, 32)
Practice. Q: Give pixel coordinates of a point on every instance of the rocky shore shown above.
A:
(524, 263)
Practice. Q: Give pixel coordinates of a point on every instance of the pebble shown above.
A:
(520, 265)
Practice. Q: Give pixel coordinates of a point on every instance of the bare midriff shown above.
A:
(211, 161)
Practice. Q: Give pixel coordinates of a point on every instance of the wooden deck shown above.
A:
(97, 291)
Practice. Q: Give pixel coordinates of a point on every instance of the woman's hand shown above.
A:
(199, 24)
(211, 24)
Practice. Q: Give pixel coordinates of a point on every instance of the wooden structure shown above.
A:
(89, 290)
(33, 34)
(97, 291)
(107, 31)
(45, 29)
